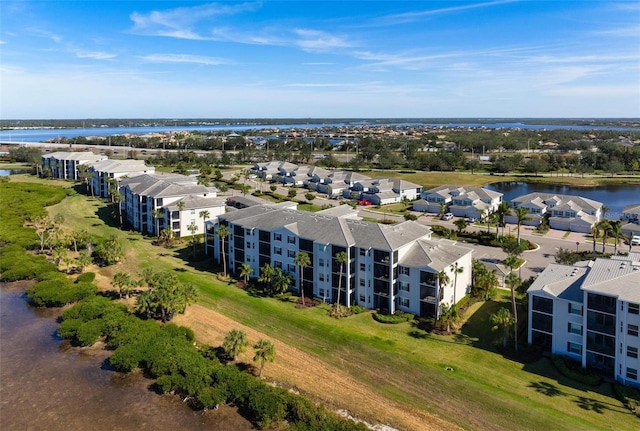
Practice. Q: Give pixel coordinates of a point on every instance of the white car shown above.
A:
(635, 240)
(447, 216)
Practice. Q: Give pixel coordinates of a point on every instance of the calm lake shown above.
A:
(48, 385)
(616, 197)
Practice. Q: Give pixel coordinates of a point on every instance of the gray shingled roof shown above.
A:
(615, 277)
(118, 166)
(165, 185)
(578, 201)
(562, 281)
(197, 202)
(436, 254)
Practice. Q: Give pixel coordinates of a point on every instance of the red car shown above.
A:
(364, 202)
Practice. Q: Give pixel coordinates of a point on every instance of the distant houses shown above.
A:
(565, 212)
(461, 201)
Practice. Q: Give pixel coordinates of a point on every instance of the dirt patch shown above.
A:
(319, 381)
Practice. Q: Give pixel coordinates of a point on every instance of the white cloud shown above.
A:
(315, 40)
(185, 58)
(96, 55)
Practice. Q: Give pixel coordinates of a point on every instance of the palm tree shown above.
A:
(235, 342)
(605, 227)
(443, 209)
(193, 228)
(342, 258)
(124, 282)
(157, 214)
(513, 281)
(502, 320)
(223, 232)
(117, 200)
(616, 234)
(443, 280)
(180, 205)
(204, 214)
(503, 210)
(265, 352)
(456, 269)
(280, 281)
(522, 214)
(245, 272)
(302, 260)
(594, 233)
(84, 259)
(460, 224)
(266, 275)
(450, 316)
(605, 210)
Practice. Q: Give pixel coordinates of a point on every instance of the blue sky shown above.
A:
(284, 59)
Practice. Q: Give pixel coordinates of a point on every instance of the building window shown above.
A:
(575, 309)
(574, 348)
(277, 264)
(277, 250)
(403, 270)
(403, 286)
(632, 330)
(291, 239)
(193, 212)
(248, 245)
(632, 352)
(363, 252)
(362, 298)
(320, 262)
(321, 292)
(291, 268)
(575, 328)
(320, 277)
(632, 374)
(277, 237)
(291, 253)
(247, 232)
(403, 302)
(363, 267)
(634, 308)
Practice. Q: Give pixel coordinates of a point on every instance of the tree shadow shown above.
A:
(547, 389)
(591, 404)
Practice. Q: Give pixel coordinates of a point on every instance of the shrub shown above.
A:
(267, 405)
(89, 332)
(17, 264)
(93, 308)
(397, 317)
(568, 368)
(127, 357)
(86, 277)
(69, 327)
(58, 292)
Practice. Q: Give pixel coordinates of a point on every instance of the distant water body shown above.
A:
(47, 134)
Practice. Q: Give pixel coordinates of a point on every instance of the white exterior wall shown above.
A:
(322, 272)
(364, 294)
(561, 334)
(624, 341)
(185, 217)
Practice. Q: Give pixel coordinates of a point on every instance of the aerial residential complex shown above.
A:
(390, 267)
(590, 312)
(461, 201)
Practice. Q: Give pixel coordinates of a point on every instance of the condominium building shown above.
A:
(64, 165)
(104, 171)
(151, 202)
(590, 312)
(389, 267)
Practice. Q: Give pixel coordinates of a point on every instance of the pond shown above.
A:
(616, 197)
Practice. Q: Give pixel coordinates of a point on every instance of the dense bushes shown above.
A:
(629, 396)
(16, 264)
(573, 370)
(397, 317)
(57, 290)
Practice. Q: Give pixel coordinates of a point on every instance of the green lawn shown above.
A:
(484, 390)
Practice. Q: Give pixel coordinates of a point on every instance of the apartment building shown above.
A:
(151, 202)
(461, 201)
(590, 312)
(64, 165)
(390, 267)
(104, 171)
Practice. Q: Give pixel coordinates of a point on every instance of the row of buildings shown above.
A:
(150, 201)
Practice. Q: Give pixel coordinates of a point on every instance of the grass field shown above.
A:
(398, 363)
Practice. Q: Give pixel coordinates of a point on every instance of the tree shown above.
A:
(43, 226)
(223, 231)
(124, 282)
(342, 258)
(280, 281)
(443, 280)
(84, 176)
(460, 224)
(302, 260)
(502, 320)
(456, 269)
(522, 214)
(450, 316)
(513, 281)
(265, 351)
(292, 193)
(245, 272)
(157, 214)
(193, 228)
(204, 215)
(594, 234)
(84, 259)
(266, 275)
(165, 297)
(117, 201)
(503, 211)
(235, 342)
(604, 226)
(616, 234)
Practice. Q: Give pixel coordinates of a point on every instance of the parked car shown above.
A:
(471, 220)
(635, 240)
(447, 216)
(364, 202)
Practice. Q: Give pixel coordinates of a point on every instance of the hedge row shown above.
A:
(397, 317)
(56, 289)
(579, 375)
